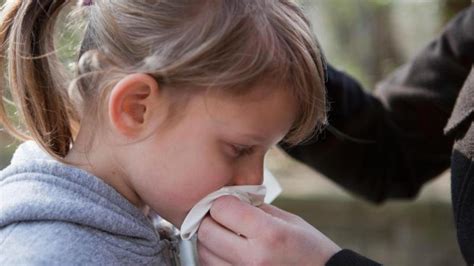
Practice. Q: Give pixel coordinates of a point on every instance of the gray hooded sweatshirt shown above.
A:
(55, 214)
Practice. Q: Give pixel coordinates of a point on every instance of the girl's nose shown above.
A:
(249, 176)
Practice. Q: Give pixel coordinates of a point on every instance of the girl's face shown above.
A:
(217, 141)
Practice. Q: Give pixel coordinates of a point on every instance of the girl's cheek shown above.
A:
(222, 176)
(218, 172)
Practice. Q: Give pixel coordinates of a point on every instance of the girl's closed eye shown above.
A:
(237, 150)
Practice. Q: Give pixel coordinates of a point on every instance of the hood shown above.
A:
(35, 187)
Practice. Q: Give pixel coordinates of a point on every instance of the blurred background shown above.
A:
(368, 39)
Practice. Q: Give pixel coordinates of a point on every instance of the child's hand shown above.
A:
(237, 233)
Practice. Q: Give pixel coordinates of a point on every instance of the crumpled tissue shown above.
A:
(254, 195)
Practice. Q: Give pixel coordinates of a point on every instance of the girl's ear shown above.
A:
(132, 102)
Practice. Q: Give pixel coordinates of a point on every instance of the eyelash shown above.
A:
(241, 150)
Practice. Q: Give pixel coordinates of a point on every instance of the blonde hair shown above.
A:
(220, 44)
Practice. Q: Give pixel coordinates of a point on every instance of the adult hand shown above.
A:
(236, 233)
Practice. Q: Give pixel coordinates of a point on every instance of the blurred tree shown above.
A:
(364, 39)
(387, 53)
(451, 7)
(369, 38)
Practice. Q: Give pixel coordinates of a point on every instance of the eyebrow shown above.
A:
(254, 137)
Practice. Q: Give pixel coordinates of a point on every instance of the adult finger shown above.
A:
(278, 213)
(220, 241)
(207, 257)
(239, 217)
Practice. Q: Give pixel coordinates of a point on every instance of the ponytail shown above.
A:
(34, 76)
(181, 43)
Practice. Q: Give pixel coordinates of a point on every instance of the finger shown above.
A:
(239, 217)
(277, 212)
(206, 257)
(220, 241)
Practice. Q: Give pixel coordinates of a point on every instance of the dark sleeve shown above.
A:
(347, 257)
(389, 143)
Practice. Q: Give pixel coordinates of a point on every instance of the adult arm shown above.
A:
(399, 142)
(237, 233)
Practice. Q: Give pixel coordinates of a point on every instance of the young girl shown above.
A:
(171, 100)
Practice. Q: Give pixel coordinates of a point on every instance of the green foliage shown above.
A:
(381, 2)
(70, 29)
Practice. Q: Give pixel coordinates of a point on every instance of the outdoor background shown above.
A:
(368, 39)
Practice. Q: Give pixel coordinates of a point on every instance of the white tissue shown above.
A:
(254, 195)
